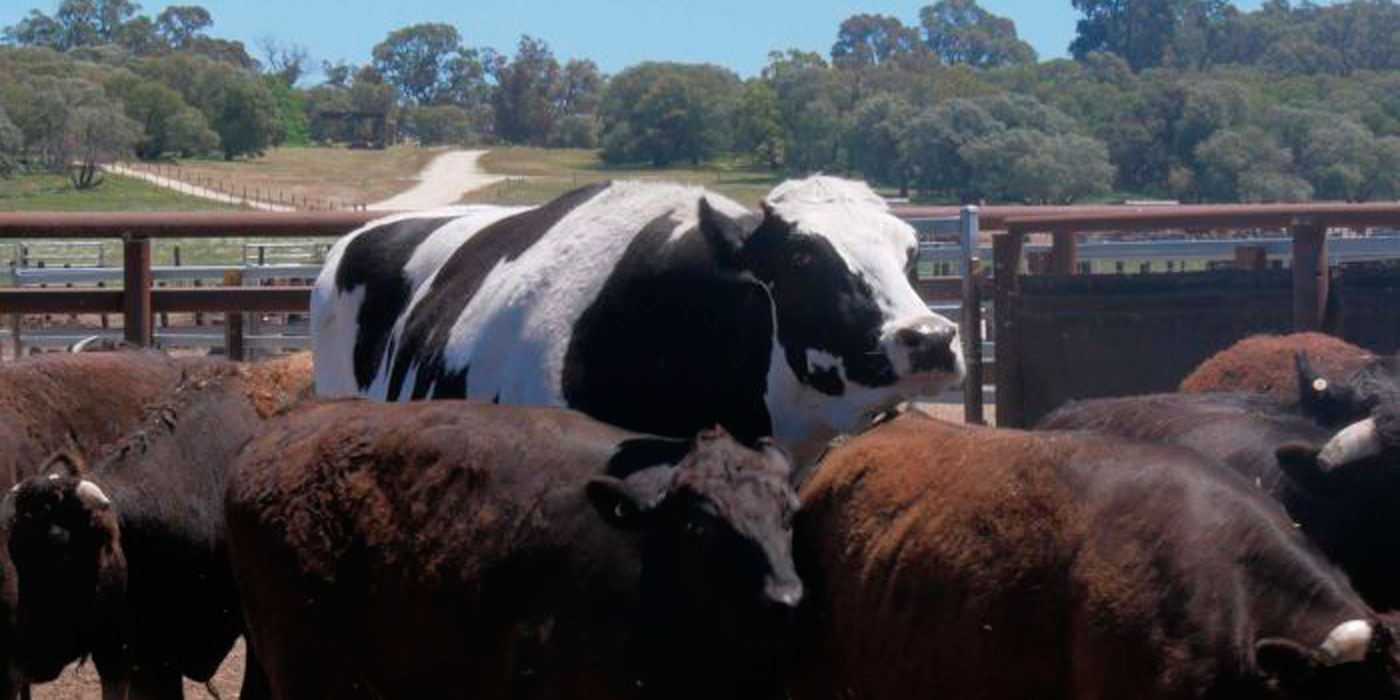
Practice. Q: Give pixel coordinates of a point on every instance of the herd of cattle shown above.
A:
(613, 475)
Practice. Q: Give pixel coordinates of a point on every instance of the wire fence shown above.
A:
(231, 191)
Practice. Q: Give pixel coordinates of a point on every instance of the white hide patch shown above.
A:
(334, 313)
(1348, 642)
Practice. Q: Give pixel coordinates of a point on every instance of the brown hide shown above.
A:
(1264, 364)
(81, 402)
(391, 516)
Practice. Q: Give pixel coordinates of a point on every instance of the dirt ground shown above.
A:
(80, 682)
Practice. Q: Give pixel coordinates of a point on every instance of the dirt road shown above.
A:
(442, 183)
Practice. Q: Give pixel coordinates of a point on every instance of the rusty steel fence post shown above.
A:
(1310, 275)
(973, 400)
(234, 345)
(1006, 268)
(1064, 254)
(136, 289)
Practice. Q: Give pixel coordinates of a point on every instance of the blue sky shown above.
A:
(615, 33)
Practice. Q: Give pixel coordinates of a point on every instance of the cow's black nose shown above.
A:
(924, 337)
(782, 599)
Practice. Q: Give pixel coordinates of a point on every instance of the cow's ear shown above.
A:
(610, 498)
(1286, 662)
(725, 234)
(64, 463)
(1298, 461)
(623, 502)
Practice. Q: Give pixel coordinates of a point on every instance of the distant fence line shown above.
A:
(191, 183)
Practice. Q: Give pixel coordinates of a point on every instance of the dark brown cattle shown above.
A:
(1349, 514)
(125, 562)
(452, 549)
(945, 561)
(1264, 364)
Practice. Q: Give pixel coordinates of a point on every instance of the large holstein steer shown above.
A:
(658, 307)
(1291, 452)
(452, 549)
(945, 561)
(125, 562)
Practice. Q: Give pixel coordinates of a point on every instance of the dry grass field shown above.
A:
(541, 174)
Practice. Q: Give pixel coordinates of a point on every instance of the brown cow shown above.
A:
(1264, 364)
(946, 561)
(456, 549)
(125, 561)
(82, 403)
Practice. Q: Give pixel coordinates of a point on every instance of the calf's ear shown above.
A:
(1286, 662)
(725, 234)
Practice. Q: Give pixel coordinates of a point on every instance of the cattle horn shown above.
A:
(91, 494)
(1355, 442)
(1348, 642)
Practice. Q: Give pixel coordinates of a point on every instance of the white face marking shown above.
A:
(1319, 384)
(822, 361)
(1348, 642)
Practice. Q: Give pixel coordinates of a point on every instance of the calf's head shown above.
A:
(66, 550)
(716, 538)
(839, 268)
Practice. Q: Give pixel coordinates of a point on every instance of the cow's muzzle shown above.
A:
(930, 346)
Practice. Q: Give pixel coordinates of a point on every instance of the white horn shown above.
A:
(1348, 642)
(1356, 442)
(89, 492)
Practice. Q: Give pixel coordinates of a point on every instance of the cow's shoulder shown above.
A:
(674, 329)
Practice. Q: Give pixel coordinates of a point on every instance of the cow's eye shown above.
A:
(801, 259)
(696, 528)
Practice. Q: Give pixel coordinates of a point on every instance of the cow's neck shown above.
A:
(804, 419)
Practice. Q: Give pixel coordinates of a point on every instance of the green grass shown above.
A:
(541, 174)
(48, 192)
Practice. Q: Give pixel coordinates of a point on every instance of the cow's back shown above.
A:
(497, 315)
(368, 280)
(417, 547)
(75, 401)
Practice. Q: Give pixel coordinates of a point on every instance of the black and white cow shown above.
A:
(657, 307)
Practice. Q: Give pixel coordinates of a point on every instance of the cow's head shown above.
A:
(67, 553)
(716, 538)
(839, 268)
(1351, 483)
(1357, 659)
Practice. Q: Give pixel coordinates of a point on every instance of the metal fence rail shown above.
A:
(1308, 247)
